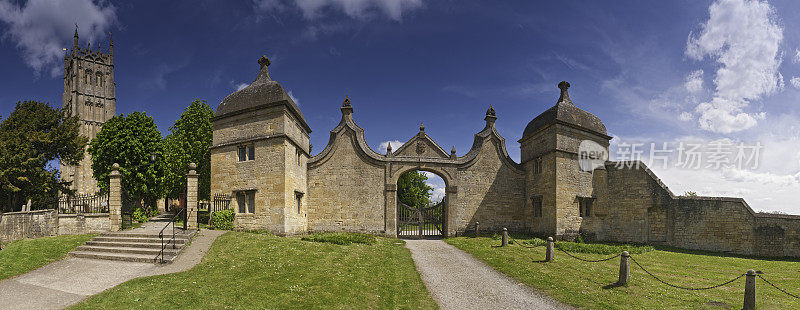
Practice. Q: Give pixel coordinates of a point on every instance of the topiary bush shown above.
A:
(341, 238)
(222, 219)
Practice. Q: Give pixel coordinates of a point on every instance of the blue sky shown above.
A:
(653, 71)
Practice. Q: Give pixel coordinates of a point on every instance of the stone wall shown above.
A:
(637, 207)
(28, 224)
(76, 224)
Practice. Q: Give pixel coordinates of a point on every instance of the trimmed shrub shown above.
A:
(341, 238)
(223, 219)
(140, 215)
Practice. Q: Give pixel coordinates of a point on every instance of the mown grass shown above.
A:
(341, 238)
(589, 285)
(24, 255)
(593, 248)
(259, 271)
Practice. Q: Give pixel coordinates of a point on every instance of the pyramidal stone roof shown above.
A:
(567, 113)
(263, 92)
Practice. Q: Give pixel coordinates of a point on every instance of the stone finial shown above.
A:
(421, 127)
(115, 167)
(264, 61)
(491, 116)
(490, 111)
(75, 37)
(388, 148)
(564, 98)
(346, 102)
(192, 166)
(453, 153)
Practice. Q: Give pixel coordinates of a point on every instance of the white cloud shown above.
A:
(437, 183)
(395, 145)
(744, 38)
(795, 81)
(685, 116)
(241, 86)
(296, 101)
(359, 9)
(796, 57)
(694, 81)
(41, 28)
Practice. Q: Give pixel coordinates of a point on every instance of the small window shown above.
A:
(246, 152)
(299, 158)
(585, 206)
(246, 201)
(537, 165)
(298, 197)
(537, 206)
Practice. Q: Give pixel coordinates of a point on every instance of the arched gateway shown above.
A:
(260, 154)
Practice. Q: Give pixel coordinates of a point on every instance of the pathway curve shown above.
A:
(457, 280)
(68, 281)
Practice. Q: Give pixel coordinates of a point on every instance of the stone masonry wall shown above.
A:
(346, 193)
(75, 224)
(28, 224)
(492, 193)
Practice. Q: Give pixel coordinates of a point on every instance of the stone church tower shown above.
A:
(89, 93)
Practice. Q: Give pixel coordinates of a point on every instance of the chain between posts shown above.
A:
(684, 287)
(588, 260)
(778, 288)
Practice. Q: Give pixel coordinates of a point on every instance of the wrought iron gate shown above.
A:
(127, 209)
(419, 222)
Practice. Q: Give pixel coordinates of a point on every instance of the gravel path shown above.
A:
(457, 280)
(68, 281)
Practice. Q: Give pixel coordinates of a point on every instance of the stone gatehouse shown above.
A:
(261, 156)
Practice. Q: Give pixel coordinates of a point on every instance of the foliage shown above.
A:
(412, 189)
(341, 238)
(24, 255)
(34, 136)
(139, 215)
(268, 272)
(129, 141)
(189, 141)
(589, 285)
(222, 219)
(690, 194)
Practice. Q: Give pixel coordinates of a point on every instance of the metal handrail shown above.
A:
(161, 234)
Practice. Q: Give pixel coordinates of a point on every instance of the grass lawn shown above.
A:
(586, 285)
(258, 271)
(24, 255)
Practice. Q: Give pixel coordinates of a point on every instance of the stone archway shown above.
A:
(447, 207)
(421, 219)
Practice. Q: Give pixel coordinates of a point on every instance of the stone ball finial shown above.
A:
(346, 102)
(264, 61)
(563, 86)
(115, 167)
(550, 239)
(625, 253)
(192, 166)
(490, 111)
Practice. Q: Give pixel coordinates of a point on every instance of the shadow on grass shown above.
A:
(613, 285)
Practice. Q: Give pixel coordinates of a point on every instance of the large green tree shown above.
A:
(33, 139)
(189, 141)
(129, 141)
(412, 189)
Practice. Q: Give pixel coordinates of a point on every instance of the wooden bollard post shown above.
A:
(477, 224)
(549, 255)
(750, 290)
(624, 268)
(505, 237)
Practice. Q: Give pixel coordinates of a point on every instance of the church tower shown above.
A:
(89, 93)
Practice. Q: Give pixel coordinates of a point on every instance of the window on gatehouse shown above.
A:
(246, 201)
(298, 196)
(585, 206)
(537, 165)
(537, 205)
(246, 152)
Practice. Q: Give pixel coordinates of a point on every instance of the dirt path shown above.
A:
(457, 280)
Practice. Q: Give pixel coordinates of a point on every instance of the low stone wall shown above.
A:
(75, 224)
(43, 223)
(29, 224)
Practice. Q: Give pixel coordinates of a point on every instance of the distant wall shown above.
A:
(43, 223)
(29, 224)
(638, 207)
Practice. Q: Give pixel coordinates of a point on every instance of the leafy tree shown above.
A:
(189, 141)
(32, 138)
(412, 189)
(690, 194)
(129, 141)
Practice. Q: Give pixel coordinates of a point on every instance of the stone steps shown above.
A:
(134, 246)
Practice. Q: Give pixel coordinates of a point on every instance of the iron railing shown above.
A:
(77, 204)
(182, 213)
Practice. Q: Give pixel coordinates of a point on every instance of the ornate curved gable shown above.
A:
(421, 145)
